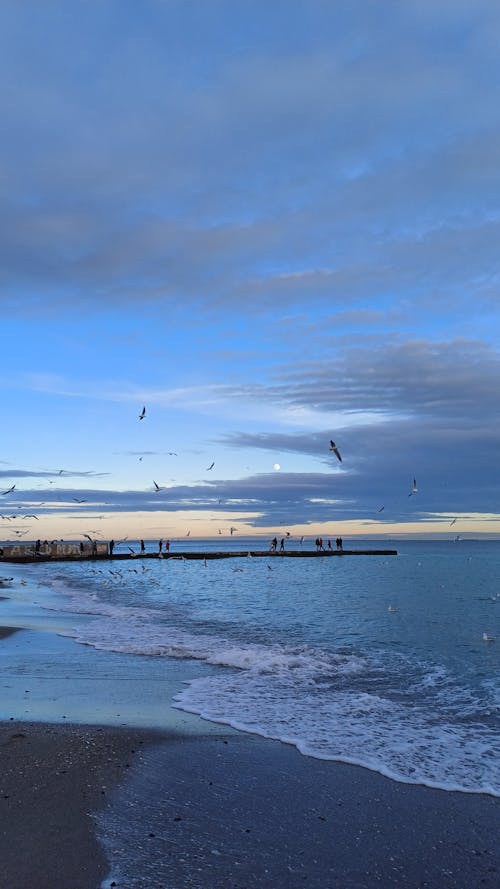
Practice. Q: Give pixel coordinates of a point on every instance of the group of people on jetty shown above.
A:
(318, 543)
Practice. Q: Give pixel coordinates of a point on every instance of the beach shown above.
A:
(110, 777)
(231, 811)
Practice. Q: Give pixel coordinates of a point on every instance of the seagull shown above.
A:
(9, 491)
(381, 509)
(414, 488)
(211, 466)
(188, 533)
(335, 450)
(77, 500)
(488, 638)
(157, 486)
(392, 609)
(453, 522)
(142, 414)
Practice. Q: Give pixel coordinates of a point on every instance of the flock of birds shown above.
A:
(157, 488)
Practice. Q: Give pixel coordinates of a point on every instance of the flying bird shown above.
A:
(142, 414)
(157, 487)
(453, 522)
(334, 449)
(9, 491)
(211, 466)
(381, 509)
(414, 488)
(76, 499)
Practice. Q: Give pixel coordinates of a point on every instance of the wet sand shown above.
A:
(225, 812)
(52, 778)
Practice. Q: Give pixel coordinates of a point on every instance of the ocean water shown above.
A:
(378, 660)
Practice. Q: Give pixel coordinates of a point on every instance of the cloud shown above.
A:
(332, 160)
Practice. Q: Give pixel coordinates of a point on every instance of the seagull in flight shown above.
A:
(334, 449)
(381, 509)
(157, 487)
(9, 491)
(414, 488)
(142, 413)
(77, 500)
(211, 466)
(453, 522)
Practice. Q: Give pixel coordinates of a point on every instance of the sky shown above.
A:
(271, 223)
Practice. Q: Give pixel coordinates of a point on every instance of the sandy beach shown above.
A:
(217, 811)
(104, 784)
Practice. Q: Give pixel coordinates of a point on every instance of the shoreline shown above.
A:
(53, 779)
(176, 801)
(212, 811)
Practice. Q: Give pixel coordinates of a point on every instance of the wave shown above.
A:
(409, 721)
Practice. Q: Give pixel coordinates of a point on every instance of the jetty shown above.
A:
(103, 554)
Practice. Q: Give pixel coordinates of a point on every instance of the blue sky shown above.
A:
(272, 224)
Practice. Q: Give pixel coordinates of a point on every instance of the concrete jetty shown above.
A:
(188, 555)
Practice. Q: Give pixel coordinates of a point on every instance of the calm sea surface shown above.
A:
(378, 661)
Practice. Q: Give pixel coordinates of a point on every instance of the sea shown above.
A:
(390, 662)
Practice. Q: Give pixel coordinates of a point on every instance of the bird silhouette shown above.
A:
(142, 414)
(334, 449)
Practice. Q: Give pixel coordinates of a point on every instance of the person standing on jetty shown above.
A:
(143, 548)
(167, 546)
(160, 545)
(274, 544)
(111, 547)
(282, 545)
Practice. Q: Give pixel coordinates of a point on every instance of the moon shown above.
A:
(277, 467)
